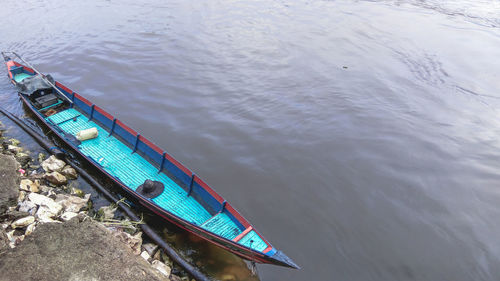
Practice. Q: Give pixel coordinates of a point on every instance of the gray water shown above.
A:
(359, 137)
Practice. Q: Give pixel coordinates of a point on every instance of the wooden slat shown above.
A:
(241, 235)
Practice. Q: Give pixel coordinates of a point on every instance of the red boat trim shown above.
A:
(10, 64)
(84, 100)
(64, 88)
(100, 110)
(241, 235)
(209, 190)
(267, 249)
(244, 252)
(150, 144)
(237, 216)
(178, 164)
(237, 249)
(126, 128)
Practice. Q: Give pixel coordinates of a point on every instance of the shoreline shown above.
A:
(44, 218)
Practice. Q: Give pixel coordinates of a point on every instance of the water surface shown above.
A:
(359, 137)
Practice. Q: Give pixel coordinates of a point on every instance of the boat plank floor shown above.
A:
(130, 168)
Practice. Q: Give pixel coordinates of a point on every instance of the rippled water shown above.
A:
(360, 137)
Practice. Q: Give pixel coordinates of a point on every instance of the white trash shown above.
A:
(87, 134)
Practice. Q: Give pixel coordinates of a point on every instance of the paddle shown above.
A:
(41, 75)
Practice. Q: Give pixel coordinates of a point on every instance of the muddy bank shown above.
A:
(9, 182)
(50, 231)
(74, 250)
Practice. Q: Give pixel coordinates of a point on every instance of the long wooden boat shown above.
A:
(129, 159)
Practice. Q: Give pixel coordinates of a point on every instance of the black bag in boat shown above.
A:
(31, 84)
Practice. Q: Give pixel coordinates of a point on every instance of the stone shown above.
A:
(72, 203)
(48, 207)
(14, 215)
(74, 250)
(22, 196)
(44, 188)
(10, 235)
(9, 182)
(52, 164)
(56, 178)
(23, 158)
(175, 278)
(14, 141)
(30, 229)
(68, 216)
(69, 172)
(78, 192)
(145, 255)
(23, 222)
(157, 255)
(14, 149)
(133, 241)
(27, 206)
(41, 157)
(106, 212)
(28, 185)
(45, 214)
(18, 240)
(161, 267)
(4, 241)
(150, 248)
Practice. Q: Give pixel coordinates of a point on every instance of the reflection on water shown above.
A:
(221, 264)
(359, 137)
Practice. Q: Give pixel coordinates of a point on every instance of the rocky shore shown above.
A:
(49, 230)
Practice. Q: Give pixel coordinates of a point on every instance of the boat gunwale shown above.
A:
(248, 253)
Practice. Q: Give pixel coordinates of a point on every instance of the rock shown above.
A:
(72, 203)
(28, 185)
(14, 215)
(69, 172)
(40, 157)
(175, 278)
(14, 149)
(52, 164)
(74, 251)
(150, 248)
(106, 212)
(45, 214)
(157, 255)
(9, 182)
(18, 239)
(161, 267)
(23, 158)
(14, 142)
(56, 178)
(68, 215)
(42, 200)
(28, 207)
(22, 196)
(4, 241)
(78, 192)
(48, 207)
(23, 222)
(165, 258)
(44, 188)
(145, 255)
(37, 174)
(133, 241)
(30, 229)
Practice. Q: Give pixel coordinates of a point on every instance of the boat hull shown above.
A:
(226, 244)
(216, 221)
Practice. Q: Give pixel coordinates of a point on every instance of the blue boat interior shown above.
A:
(131, 159)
